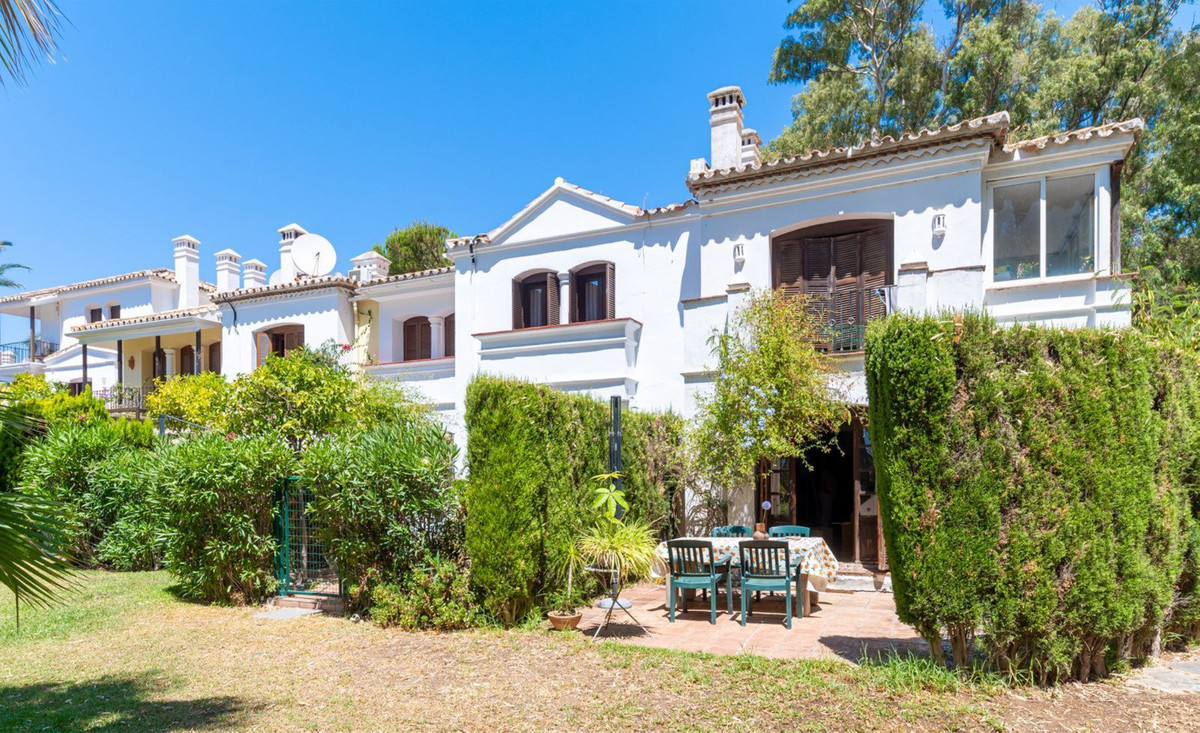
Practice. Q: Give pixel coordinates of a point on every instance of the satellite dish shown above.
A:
(313, 255)
(276, 277)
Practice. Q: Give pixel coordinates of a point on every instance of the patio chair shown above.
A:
(789, 530)
(692, 567)
(732, 530)
(765, 567)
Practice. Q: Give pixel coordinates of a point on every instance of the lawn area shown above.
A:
(124, 654)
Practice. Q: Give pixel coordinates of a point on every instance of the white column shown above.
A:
(169, 356)
(564, 297)
(437, 336)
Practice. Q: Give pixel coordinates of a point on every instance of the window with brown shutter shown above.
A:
(214, 357)
(592, 293)
(449, 332)
(842, 269)
(417, 338)
(280, 341)
(535, 300)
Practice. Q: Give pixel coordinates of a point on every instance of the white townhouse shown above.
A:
(586, 293)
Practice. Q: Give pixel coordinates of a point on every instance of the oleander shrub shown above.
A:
(436, 596)
(531, 452)
(33, 406)
(126, 495)
(218, 512)
(65, 466)
(382, 500)
(1039, 487)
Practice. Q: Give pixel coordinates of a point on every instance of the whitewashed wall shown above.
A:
(326, 314)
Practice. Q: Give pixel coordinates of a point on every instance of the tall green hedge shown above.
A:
(1040, 486)
(531, 453)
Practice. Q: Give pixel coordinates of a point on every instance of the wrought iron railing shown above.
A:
(17, 352)
(841, 338)
(125, 399)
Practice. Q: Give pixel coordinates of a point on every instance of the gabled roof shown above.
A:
(628, 211)
(160, 273)
(405, 276)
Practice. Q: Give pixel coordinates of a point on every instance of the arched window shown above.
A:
(535, 300)
(114, 310)
(449, 328)
(280, 341)
(187, 360)
(842, 268)
(214, 357)
(417, 341)
(94, 314)
(593, 293)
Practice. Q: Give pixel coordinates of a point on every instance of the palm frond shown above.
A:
(35, 543)
(28, 31)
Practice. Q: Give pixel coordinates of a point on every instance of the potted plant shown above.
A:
(621, 550)
(565, 604)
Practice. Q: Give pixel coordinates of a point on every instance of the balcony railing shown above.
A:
(17, 352)
(126, 399)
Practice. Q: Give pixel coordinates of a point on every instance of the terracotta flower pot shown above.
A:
(564, 622)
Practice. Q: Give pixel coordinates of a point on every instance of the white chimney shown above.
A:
(254, 274)
(187, 270)
(287, 235)
(369, 266)
(229, 274)
(750, 145)
(725, 118)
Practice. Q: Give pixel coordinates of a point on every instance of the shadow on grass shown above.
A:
(110, 704)
(864, 649)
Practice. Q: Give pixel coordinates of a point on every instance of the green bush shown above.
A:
(1037, 485)
(34, 406)
(382, 499)
(126, 493)
(62, 466)
(202, 398)
(531, 453)
(219, 509)
(436, 597)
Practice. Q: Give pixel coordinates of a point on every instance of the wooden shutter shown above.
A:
(411, 341)
(610, 290)
(818, 278)
(552, 299)
(187, 360)
(573, 295)
(292, 339)
(214, 357)
(789, 267)
(449, 329)
(263, 346)
(875, 271)
(518, 307)
(424, 339)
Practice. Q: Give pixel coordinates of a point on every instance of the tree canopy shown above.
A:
(876, 67)
(418, 246)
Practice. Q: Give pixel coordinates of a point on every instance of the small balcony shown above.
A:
(18, 352)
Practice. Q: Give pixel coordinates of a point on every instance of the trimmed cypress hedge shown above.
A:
(1039, 486)
(531, 452)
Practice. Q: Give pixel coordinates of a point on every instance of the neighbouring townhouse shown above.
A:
(586, 293)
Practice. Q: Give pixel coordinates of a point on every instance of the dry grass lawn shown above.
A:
(124, 654)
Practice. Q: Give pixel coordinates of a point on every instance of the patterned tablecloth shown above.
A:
(810, 554)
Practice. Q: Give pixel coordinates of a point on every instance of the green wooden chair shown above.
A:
(732, 530)
(765, 567)
(692, 567)
(789, 530)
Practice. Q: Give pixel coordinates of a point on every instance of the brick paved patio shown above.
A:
(842, 626)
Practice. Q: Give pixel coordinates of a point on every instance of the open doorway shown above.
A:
(832, 492)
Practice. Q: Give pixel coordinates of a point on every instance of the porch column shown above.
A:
(564, 297)
(196, 355)
(32, 335)
(158, 357)
(437, 336)
(83, 386)
(120, 363)
(169, 363)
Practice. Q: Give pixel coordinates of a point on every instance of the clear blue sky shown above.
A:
(228, 120)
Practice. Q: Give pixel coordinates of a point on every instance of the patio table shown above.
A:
(810, 558)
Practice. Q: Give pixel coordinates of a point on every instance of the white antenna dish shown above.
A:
(313, 255)
(276, 277)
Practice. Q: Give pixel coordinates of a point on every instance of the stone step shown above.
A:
(332, 606)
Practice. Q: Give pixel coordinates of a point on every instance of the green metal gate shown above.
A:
(301, 564)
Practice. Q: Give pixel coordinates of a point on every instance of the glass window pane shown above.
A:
(1017, 226)
(535, 306)
(593, 298)
(1070, 225)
